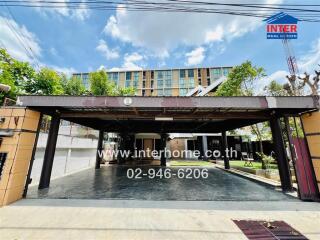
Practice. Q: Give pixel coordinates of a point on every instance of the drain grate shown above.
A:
(268, 230)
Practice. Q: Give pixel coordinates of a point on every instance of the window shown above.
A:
(113, 77)
(160, 92)
(143, 84)
(152, 74)
(159, 74)
(128, 75)
(144, 74)
(182, 83)
(167, 92)
(183, 91)
(135, 79)
(208, 82)
(191, 83)
(208, 72)
(190, 73)
(226, 71)
(182, 73)
(152, 84)
(143, 92)
(199, 73)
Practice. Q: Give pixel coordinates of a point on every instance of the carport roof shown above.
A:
(189, 114)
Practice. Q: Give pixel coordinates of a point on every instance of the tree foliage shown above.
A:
(75, 87)
(100, 86)
(275, 89)
(46, 82)
(240, 81)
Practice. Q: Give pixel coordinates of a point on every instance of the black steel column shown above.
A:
(49, 152)
(99, 155)
(224, 141)
(204, 147)
(163, 159)
(280, 152)
(122, 142)
(199, 147)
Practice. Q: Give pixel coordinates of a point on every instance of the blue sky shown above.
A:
(81, 41)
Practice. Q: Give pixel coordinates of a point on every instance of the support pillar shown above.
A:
(280, 152)
(204, 147)
(163, 159)
(49, 152)
(224, 141)
(199, 147)
(99, 149)
(122, 143)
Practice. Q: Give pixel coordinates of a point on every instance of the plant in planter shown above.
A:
(266, 160)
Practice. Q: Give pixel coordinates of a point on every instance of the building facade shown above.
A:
(165, 82)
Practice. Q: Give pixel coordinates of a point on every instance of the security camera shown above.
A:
(4, 88)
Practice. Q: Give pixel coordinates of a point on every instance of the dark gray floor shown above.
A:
(112, 183)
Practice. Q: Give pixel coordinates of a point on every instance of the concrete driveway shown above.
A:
(112, 183)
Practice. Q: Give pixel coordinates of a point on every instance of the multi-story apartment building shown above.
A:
(164, 82)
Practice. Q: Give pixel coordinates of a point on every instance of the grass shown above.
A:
(255, 165)
(189, 163)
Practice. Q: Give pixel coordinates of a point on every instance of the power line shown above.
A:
(17, 33)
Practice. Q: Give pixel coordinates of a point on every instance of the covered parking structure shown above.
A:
(163, 115)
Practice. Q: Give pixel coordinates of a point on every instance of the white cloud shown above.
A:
(310, 61)
(106, 51)
(82, 13)
(131, 61)
(62, 9)
(278, 76)
(161, 32)
(195, 57)
(15, 38)
(66, 71)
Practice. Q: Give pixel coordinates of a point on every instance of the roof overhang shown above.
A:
(188, 114)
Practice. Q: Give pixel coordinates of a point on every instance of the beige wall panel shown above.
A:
(32, 114)
(7, 166)
(30, 124)
(20, 167)
(122, 76)
(6, 122)
(11, 140)
(10, 149)
(175, 78)
(314, 145)
(2, 193)
(4, 181)
(175, 92)
(12, 195)
(16, 122)
(311, 122)
(316, 163)
(16, 180)
(27, 139)
(5, 112)
(18, 112)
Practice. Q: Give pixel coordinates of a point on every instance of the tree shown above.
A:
(74, 86)
(100, 86)
(46, 82)
(99, 83)
(275, 89)
(14, 73)
(240, 80)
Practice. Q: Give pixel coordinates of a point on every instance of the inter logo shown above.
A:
(282, 26)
